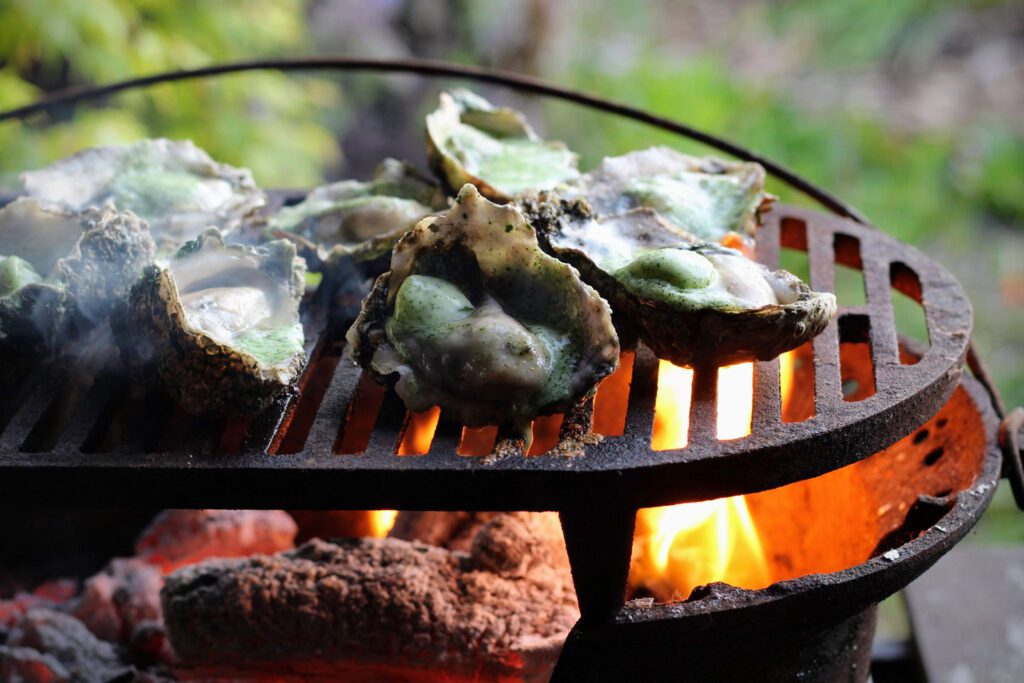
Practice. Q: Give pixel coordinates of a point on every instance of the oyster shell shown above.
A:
(691, 302)
(704, 196)
(358, 220)
(471, 141)
(62, 272)
(175, 186)
(218, 323)
(475, 318)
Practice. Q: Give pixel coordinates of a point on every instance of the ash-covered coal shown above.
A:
(121, 600)
(48, 645)
(113, 627)
(176, 538)
(397, 609)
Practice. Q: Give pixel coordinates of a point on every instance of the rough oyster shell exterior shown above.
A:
(174, 185)
(492, 250)
(86, 262)
(203, 373)
(684, 336)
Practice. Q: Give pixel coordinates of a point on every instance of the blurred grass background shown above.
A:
(911, 110)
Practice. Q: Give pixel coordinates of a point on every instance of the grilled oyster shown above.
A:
(474, 317)
(691, 302)
(706, 197)
(175, 186)
(61, 272)
(218, 323)
(471, 141)
(360, 220)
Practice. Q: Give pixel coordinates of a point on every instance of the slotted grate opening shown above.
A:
(340, 421)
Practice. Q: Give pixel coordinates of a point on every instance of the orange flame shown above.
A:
(419, 432)
(381, 522)
(679, 547)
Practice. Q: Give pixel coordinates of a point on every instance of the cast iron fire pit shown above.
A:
(81, 434)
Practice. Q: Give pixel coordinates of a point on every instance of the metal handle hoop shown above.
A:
(441, 69)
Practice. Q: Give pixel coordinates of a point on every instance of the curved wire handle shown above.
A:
(440, 69)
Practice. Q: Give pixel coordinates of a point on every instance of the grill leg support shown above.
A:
(600, 542)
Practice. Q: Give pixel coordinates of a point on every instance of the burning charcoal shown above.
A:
(452, 530)
(180, 537)
(26, 664)
(382, 606)
(333, 524)
(66, 639)
(48, 594)
(119, 599)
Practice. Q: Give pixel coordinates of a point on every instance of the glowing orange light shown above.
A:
(735, 400)
(419, 432)
(381, 522)
(679, 547)
(672, 407)
(787, 363)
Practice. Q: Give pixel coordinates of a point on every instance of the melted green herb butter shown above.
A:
(679, 277)
(15, 273)
(704, 205)
(155, 192)
(271, 346)
(513, 164)
(476, 350)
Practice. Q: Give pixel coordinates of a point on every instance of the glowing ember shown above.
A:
(381, 522)
(679, 547)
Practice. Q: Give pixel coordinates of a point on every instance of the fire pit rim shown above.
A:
(853, 589)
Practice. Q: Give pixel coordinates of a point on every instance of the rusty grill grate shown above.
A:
(82, 434)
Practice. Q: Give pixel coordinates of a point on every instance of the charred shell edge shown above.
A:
(705, 337)
(186, 359)
(453, 105)
(367, 332)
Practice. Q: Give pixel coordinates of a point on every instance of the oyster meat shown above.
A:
(358, 220)
(471, 141)
(219, 323)
(691, 302)
(704, 196)
(175, 186)
(62, 272)
(475, 318)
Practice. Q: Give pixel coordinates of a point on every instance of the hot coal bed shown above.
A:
(867, 458)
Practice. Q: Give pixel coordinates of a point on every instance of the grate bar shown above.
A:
(333, 408)
(444, 447)
(885, 353)
(91, 411)
(767, 396)
(125, 423)
(37, 395)
(704, 408)
(388, 430)
(643, 387)
(828, 394)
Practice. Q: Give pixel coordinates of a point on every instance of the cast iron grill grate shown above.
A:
(81, 433)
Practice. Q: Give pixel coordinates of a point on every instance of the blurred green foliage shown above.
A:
(908, 183)
(268, 122)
